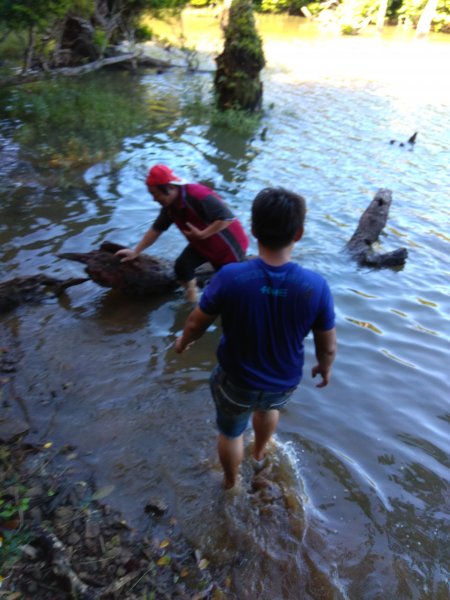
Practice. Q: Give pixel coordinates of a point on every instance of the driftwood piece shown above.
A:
(143, 276)
(370, 225)
(22, 290)
(134, 58)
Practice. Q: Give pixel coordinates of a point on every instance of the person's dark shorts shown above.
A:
(235, 404)
(187, 262)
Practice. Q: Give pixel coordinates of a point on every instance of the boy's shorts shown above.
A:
(235, 404)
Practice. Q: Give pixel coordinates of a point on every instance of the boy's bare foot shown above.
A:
(234, 486)
(259, 465)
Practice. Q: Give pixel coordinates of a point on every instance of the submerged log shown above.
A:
(145, 275)
(35, 288)
(370, 225)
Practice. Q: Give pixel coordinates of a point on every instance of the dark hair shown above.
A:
(164, 188)
(277, 215)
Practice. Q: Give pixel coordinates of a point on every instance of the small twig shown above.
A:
(141, 577)
(118, 585)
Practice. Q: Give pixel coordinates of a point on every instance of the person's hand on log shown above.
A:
(126, 254)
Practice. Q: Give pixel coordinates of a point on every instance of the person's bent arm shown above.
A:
(196, 325)
(193, 232)
(325, 343)
(149, 238)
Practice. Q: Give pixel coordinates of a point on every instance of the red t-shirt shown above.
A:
(201, 206)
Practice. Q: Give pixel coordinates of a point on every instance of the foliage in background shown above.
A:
(71, 32)
(442, 20)
(201, 3)
(410, 11)
(22, 14)
(354, 12)
(291, 7)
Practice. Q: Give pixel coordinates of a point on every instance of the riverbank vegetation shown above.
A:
(71, 124)
(50, 34)
(422, 15)
(58, 123)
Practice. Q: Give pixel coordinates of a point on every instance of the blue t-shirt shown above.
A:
(266, 314)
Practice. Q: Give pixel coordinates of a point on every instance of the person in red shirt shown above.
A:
(214, 234)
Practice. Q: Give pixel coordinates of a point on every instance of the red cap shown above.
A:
(162, 175)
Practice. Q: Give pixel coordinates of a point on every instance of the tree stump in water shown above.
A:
(237, 80)
(370, 226)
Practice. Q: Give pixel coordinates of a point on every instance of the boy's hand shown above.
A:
(179, 346)
(325, 374)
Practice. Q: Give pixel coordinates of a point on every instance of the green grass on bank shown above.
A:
(69, 121)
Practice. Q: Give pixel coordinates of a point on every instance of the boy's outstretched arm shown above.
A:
(325, 343)
(196, 325)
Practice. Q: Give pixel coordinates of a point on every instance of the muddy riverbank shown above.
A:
(59, 537)
(61, 540)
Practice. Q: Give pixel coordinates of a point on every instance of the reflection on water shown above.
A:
(356, 504)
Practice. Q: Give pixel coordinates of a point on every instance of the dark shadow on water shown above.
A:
(117, 312)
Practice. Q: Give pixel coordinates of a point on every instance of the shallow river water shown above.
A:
(363, 465)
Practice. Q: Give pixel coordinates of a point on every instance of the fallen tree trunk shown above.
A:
(135, 59)
(370, 225)
(144, 276)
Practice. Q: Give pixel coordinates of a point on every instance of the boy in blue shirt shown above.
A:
(268, 305)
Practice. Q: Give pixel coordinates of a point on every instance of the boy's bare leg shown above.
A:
(231, 453)
(191, 290)
(264, 424)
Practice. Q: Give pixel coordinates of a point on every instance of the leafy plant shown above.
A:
(10, 508)
(11, 543)
(237, 120)
(143, 33)
(11, 539)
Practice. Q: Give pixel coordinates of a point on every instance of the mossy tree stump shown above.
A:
(237, 80)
